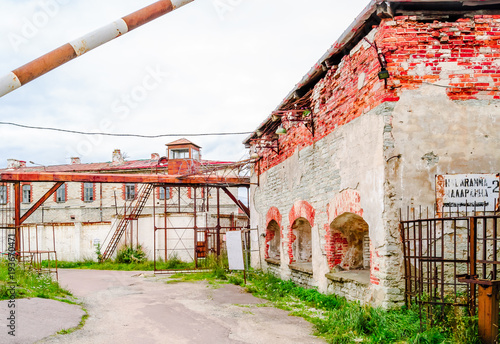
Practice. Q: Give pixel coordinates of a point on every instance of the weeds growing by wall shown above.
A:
(341, 321)
(29, 283)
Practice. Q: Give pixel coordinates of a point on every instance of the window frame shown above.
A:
(179, 153)
(128, 195)
(26, 188)
(4, 194)
(61, 189)
(88, 188)
(162, 192)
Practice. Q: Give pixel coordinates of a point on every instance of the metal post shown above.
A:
(195, 231)
(218, 222)
(82, 45)
(472, 262)
(154, 229)
(488, 313)
(17, 217)
(165, 224)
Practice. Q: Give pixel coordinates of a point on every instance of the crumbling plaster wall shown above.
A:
(351, 158)
(432, 135)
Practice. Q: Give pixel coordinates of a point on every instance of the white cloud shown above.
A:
(223, 75)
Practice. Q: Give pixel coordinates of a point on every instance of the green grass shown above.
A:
(341, 321)
(171, 264)
(30, 284)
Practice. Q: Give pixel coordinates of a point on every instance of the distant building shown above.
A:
(84, 215)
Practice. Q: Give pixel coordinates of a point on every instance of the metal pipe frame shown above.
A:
(428, 251)
(82, 45)
(210, 233)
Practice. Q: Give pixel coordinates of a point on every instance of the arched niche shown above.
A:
(273, 240)
(302, 245)
(350, 241)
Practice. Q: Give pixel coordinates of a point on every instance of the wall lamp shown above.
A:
(305, 116)
(384, 73)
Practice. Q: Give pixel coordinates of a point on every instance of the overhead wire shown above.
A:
(120, 134)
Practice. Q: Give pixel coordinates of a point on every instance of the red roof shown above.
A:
(148, 164)
(182, 141)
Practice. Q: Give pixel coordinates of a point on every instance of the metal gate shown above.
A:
(451, 260)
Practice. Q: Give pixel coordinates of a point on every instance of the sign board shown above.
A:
(460, 191)
(235, 250)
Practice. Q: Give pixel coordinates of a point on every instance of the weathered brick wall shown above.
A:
(302, 279)
(462, 55)
(316, 175)
(438, 114)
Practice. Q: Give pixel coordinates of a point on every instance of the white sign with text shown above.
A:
(471, 191)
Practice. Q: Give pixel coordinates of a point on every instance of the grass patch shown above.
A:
(30, 284)
(340, 321)
(172, 264)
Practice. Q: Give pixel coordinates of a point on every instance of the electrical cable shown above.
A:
(119, 135)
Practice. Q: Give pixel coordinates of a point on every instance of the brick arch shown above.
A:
(301, 209)
(273, 214)
(348, 201)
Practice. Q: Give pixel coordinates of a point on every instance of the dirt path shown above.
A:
(124, 308)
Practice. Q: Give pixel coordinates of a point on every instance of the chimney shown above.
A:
(12, 164)
(22, 163)
(155, 156)
(117, 157)
(75, 161)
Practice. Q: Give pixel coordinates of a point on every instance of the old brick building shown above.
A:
(411, 90)
(83, 214)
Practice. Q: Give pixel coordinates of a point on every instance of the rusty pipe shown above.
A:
(82, 45)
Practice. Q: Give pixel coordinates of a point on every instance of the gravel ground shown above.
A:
(131, 307)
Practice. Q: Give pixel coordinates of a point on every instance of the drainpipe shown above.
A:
(82, 45)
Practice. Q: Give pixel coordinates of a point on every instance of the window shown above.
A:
(179, 153)
(61, 194)
(26, 193)
(196, 154)
(164, 192)
(3, 194)
(129, 192)
(88, 192)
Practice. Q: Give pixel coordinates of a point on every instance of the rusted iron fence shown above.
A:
(450, 259)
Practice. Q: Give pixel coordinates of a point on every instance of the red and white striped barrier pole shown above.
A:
(80, 46)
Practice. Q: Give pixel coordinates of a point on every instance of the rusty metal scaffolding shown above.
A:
(206, 239)
(451, 260)
(31, 250)
(207, 233)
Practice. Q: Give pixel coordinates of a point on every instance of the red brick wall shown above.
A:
(299, 209)
(349, 201)
(272, 215)
(414, 52)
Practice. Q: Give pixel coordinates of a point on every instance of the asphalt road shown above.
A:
(130, 307)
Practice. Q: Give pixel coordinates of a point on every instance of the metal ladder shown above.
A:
(131, 213)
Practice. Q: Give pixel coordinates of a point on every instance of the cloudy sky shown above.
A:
(211, 66)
